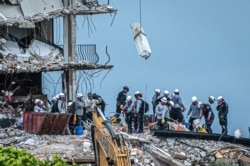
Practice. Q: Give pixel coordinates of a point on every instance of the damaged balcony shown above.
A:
(25, 13)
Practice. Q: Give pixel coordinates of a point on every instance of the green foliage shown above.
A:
(18, 157)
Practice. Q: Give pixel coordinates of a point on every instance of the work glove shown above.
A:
(162, 121)
(121, 106)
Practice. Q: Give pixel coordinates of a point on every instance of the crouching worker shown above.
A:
(160, 112)
(208, 114)
(128, 110)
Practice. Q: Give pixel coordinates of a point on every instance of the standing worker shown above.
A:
(128, 110)
(90, 105)
(139, 112)
(222, 109)
(176, 98)
(79, 105)
(61, 103)
(161, 110)
(208, 114)
(121, 100)
(155, 99)
(195, 112)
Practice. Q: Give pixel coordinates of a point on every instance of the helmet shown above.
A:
(126, 88)
(166, 92)
(194, 99)
(171, 103)
(54, 98)
(69, 104)
(199, 104)
(137, 93)
(61, 95)
(41, 102)
(37, 101)
(176, 91)
(57, 96)
(220, 98)
(211, 98)
(79, 95)
(164, 100)
(157, 91)
(129, 98)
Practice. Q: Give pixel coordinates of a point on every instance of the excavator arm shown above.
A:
(110, 148)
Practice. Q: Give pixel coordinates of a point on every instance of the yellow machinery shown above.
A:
(110, 148)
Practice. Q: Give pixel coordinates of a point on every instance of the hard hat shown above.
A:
(166, 92)
(199, 104)
(176, 91)
(79, 95)
(137, 93)
(129, 98)
(157, 90)
(54, 98)
(219, 98)
(61, 94)
(194, 99)
(126, 87)
(37, 101)
(41, 102)
(164, 100)
(69, 104)
(211, 98)
(57, 96)
(171, 103)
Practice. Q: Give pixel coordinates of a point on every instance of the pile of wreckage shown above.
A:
(145, 149)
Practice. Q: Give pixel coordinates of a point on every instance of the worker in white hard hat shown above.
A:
(195, 112)
(128, 111)
(61, 103)
(162, 112)
(222, 109)
(79, 108)
(37, 108)
(54, 106)
(90, 105)
(211, 99)
(155, 98)
(176, 98)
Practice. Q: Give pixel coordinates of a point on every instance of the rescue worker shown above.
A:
(161, 111)
(222, 109)
(176, 98)
(42, 106)
(128, 110)
(121, 100)
(195, 112)
(211, 99)
(71, 120)
(155, 99)
(54, 107)
(208, 114)
(61, 103)
(165, 94)
(100, 102)
(79, 105)
(90, 105)
(37, 107)
(139, 112)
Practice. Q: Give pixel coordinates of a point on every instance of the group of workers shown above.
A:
(80, 108)
(168, 107)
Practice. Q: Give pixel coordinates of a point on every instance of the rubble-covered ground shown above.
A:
(145, 148)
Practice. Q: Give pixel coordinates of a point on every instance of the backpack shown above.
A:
(145, 106)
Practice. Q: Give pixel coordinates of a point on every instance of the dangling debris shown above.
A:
(141, 41)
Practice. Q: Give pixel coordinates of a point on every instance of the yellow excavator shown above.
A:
(109, 147)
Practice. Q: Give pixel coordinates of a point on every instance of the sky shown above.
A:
(200, 47)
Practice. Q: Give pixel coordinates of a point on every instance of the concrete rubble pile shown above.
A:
(145, 149)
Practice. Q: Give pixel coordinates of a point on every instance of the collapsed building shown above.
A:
(27, 49)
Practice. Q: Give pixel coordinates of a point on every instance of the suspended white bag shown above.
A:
(141, 41)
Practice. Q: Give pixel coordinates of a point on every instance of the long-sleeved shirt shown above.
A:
(160, 111)
(207, 111)
(129, 107)
(90, 105)
(79, 107)
(137, 105)
(194, 110)
(222, 109)
(177, 100)
(37, 108)
(61, 106)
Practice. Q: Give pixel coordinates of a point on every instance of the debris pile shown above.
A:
(145, 149)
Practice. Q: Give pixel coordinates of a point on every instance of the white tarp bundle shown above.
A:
(141, 41)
